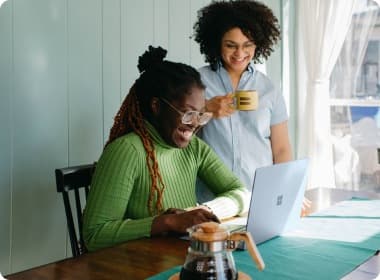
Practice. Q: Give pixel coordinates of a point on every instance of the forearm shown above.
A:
(229, 205)
(280, 143)
(106, 234)
(282, 155)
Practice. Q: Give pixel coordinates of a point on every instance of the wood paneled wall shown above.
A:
(65, 66)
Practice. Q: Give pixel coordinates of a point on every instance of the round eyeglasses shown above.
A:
(189, 117)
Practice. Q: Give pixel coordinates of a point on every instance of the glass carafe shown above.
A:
(210, 253)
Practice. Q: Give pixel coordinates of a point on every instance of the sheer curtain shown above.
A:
(347, 83)
(346, 71)
(323, 28)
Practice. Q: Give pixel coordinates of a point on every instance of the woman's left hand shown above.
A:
(306, 204)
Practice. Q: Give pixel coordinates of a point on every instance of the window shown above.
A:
(355, 103)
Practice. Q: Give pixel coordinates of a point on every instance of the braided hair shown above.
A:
(255, 20)
(158, 78)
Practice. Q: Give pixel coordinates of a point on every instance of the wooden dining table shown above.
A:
(132, 260)
(143, 258)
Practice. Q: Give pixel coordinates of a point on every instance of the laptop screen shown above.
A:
(276, 201)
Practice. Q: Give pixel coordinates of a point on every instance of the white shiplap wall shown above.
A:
(65, 66)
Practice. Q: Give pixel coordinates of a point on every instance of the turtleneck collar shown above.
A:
(156, 137)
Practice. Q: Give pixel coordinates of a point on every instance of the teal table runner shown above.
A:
(326, 245)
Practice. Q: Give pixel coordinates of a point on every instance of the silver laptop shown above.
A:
(276, 201)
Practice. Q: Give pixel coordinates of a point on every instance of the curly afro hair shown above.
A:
(255, 20)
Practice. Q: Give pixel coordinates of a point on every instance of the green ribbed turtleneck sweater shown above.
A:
(116, 209)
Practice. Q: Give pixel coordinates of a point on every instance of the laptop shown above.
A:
(276, 201)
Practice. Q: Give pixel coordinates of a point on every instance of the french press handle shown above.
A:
(251, 246)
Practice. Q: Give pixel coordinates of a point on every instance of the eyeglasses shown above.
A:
(248, 46)
(189, 117)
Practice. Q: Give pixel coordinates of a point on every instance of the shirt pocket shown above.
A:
(256, 122)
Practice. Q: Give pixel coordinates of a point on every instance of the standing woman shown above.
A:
(145, 177)
(231, 36)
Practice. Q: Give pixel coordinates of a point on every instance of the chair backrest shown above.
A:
(76, 180)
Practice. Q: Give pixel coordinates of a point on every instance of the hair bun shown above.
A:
(151, 58)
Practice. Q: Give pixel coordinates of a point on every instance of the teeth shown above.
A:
(187, 134)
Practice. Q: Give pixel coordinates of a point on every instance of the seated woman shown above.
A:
(145, 178)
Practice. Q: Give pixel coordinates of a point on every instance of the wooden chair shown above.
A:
(76, 180)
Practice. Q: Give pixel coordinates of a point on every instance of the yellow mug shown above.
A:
(246, 100)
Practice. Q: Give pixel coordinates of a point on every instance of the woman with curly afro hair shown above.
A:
(232, 36)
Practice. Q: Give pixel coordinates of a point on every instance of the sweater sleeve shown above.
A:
(232, 197)
(104, 221)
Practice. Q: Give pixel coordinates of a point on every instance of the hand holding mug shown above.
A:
(226, 105)
(220, 106)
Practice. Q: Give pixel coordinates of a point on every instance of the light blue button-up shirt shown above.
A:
(243, 139)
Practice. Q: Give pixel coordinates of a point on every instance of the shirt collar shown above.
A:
(251, 68)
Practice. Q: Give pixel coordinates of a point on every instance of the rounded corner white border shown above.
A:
(2, 2)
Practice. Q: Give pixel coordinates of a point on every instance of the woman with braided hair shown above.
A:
(144, 182)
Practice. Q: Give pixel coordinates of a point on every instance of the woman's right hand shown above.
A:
(221, 106)
(181, 221)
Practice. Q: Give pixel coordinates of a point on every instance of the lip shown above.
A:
(239, 60)
(184, 134)
(182, 129)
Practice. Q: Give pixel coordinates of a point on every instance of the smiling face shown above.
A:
(169, 121)
(237, 51)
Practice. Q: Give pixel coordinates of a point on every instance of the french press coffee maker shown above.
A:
(210, 254)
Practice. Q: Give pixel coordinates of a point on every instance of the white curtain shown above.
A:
(344, 79)
(323, 28)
